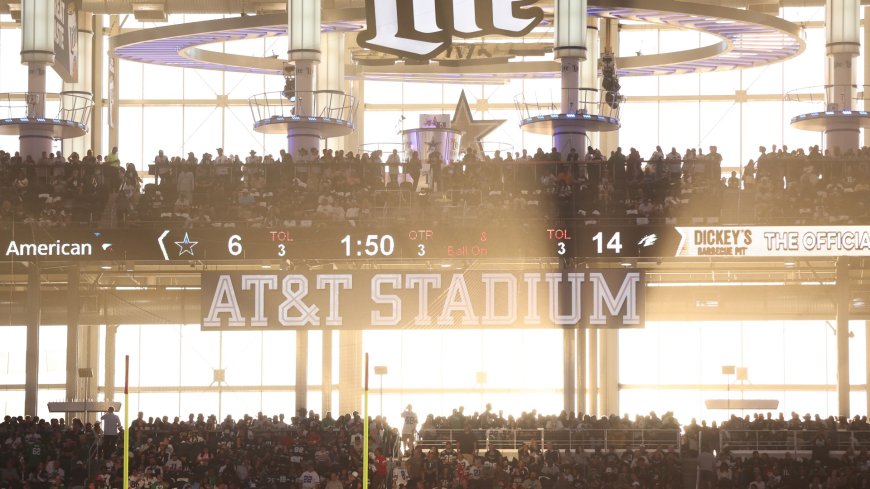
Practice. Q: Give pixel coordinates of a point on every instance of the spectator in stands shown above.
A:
(733, 181)
(253, 159)
(467, 442)
(749, 176)
(89, 158)
(111, 430)
(221, 158)
(409, 428)
(185, 186)
(113, 159)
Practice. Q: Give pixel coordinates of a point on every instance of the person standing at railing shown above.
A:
(111, 430)
(467, 444)
(409, 429)
(706, 465)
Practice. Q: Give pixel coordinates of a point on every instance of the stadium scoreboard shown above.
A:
(525, 240)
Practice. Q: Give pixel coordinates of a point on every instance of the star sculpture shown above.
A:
(473, 131)
(186, 245)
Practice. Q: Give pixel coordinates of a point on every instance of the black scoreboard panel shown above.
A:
(530, 239)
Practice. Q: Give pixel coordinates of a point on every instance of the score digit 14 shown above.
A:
(615, 243)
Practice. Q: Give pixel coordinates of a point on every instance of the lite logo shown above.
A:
(420, 29)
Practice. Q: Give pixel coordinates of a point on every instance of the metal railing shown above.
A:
(328, 104)
(793, 440)
(71, 107)
(514, 439)
(589, 101)
(831, 97)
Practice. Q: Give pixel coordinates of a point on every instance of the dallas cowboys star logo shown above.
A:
(186, 245)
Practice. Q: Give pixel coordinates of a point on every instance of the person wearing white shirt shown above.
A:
(401, 476)
(253, 159)
(221, 158)
(111, 427)
(409, 428)
(309, 479)
(161, 159)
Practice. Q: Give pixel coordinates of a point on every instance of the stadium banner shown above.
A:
(774, 241)
(66, 36)
(366, 299)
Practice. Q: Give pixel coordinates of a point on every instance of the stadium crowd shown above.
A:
(313, 453)
(779, 187)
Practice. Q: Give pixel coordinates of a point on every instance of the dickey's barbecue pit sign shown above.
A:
(421, 29)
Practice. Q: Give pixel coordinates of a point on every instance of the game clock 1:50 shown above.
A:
(374, 245)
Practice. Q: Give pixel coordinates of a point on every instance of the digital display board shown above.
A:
(533, 239)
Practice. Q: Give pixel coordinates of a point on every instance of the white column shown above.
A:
(330, 72)
(569, 367)
(843, 300)
(570, 49)
(109, 361)
(350, 371)
(842, 45)
(609, 37)
(589, 68)
(301, 370)
(581, 371)
(303, 33)
(88, 357)
(866, 80)
(592, 338)
(84, 86)
(609, 368)
(355, 140)
(97, 61)
(326, 373)
(31, 356)
(114, 90)
(37, 52)
(72, 333)
(867, 363)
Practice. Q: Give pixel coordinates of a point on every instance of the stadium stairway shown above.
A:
(690, 472)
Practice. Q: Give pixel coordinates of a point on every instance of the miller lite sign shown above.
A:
(421, 29)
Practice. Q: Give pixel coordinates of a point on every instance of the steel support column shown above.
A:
(592, 337)
(303, 35)
(326, 382)
(843, 337)
(867, 359)
(301, 370)
(581, 370)
(84, 86)
(350, 371)
(569, 368)
(609, 369)
(609, 40)
(842, 46)
(97, 51)
(72, 332)
(31, 359)
(114, 89)
(109, 361)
